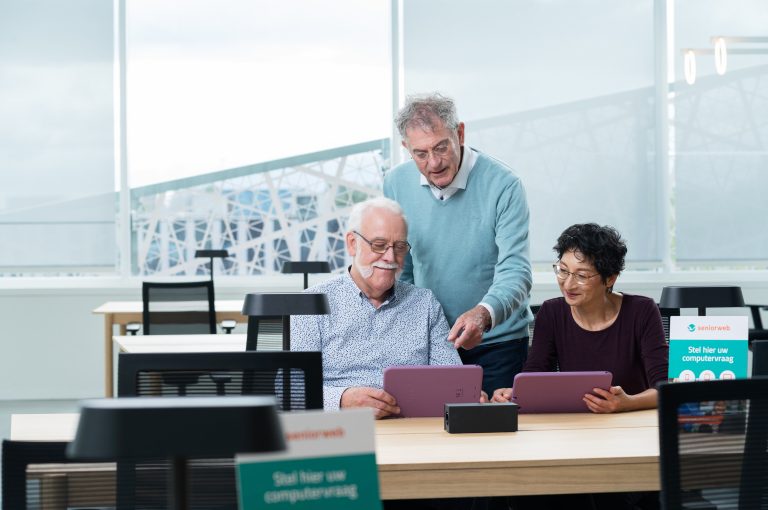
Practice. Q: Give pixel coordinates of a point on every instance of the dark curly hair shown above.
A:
(603, 247)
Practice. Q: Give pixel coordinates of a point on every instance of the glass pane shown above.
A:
(721, 132)
(569, 105)
(57, 183)
(253, 127)
(214, 85)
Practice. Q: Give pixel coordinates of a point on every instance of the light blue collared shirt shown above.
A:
(359, 341)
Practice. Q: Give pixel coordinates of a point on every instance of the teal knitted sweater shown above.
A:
(471, 248)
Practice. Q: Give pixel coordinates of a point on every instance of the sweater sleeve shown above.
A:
(512, 278)
(653, 347)
(542, 356)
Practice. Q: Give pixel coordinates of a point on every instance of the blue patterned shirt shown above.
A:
(359, 341)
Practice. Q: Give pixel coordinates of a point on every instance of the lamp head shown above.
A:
(284, 304)
(114, 429)
(701, 297)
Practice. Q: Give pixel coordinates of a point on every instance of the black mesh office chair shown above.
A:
(758, 330)
(666, 313)
(249, 373)
(713, 442)
(760, 358)
(38, 475)
(143, 485)
(178, 308)
(534, 310)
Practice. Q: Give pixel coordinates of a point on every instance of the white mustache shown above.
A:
(367, 271)
(385, 265)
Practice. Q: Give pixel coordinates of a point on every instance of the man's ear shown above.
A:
(351, 244)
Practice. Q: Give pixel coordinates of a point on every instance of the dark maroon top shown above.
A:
(632, 348)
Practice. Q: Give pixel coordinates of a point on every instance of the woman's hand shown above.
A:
(502, 395)
(615, 400)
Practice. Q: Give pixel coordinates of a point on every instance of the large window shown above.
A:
(253, 126)
(563, 91)
(57, 177)
(721, 134)
(567, 92)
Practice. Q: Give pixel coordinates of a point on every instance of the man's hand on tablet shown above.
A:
(379, 400)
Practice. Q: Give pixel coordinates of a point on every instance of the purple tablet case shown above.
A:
(423, 390)
(556, 392)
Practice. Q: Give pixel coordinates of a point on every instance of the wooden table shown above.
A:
(124, 312)
(550, 454)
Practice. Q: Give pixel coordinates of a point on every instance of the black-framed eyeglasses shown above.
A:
(381, 245)
(563, 275)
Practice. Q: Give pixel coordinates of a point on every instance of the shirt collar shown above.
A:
(468, 159)
(355, 289)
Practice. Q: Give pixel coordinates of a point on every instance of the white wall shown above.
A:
(51, 345)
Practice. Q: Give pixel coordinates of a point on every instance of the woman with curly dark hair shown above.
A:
(594, 328)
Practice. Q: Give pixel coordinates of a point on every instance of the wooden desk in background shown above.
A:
(550, 454)
(124, 312)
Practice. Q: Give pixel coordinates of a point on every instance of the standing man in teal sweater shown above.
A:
(468, 219)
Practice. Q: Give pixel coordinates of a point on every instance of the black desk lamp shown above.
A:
(701, 297)
(306, 267)
(212, 254)
(273, 306)
(176, 428)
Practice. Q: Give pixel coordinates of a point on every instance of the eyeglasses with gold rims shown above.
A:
(381, 246)
(563, 275)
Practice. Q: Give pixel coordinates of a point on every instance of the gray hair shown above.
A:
(422, 109)
(360, 209)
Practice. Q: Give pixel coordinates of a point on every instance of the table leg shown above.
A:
(109, 322)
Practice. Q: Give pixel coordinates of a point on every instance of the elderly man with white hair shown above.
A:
(375, 321)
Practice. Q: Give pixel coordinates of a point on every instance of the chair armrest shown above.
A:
(757, 320)
(133, 327)
(228, 326)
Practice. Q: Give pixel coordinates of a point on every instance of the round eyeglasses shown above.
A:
(563, 275)
(381, 246)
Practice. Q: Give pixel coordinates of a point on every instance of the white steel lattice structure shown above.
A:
(263, 214)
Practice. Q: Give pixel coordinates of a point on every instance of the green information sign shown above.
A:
(330, 464)
(707, 348)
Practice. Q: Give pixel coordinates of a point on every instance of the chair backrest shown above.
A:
(534, 311)
(757, 318)
(758, 330)
(713, 437)
(225, 373)
(295, 378)
(666, 313)
(760, 357)
(178, 308)
(38, 474)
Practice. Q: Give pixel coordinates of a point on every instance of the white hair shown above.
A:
(360, 209)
